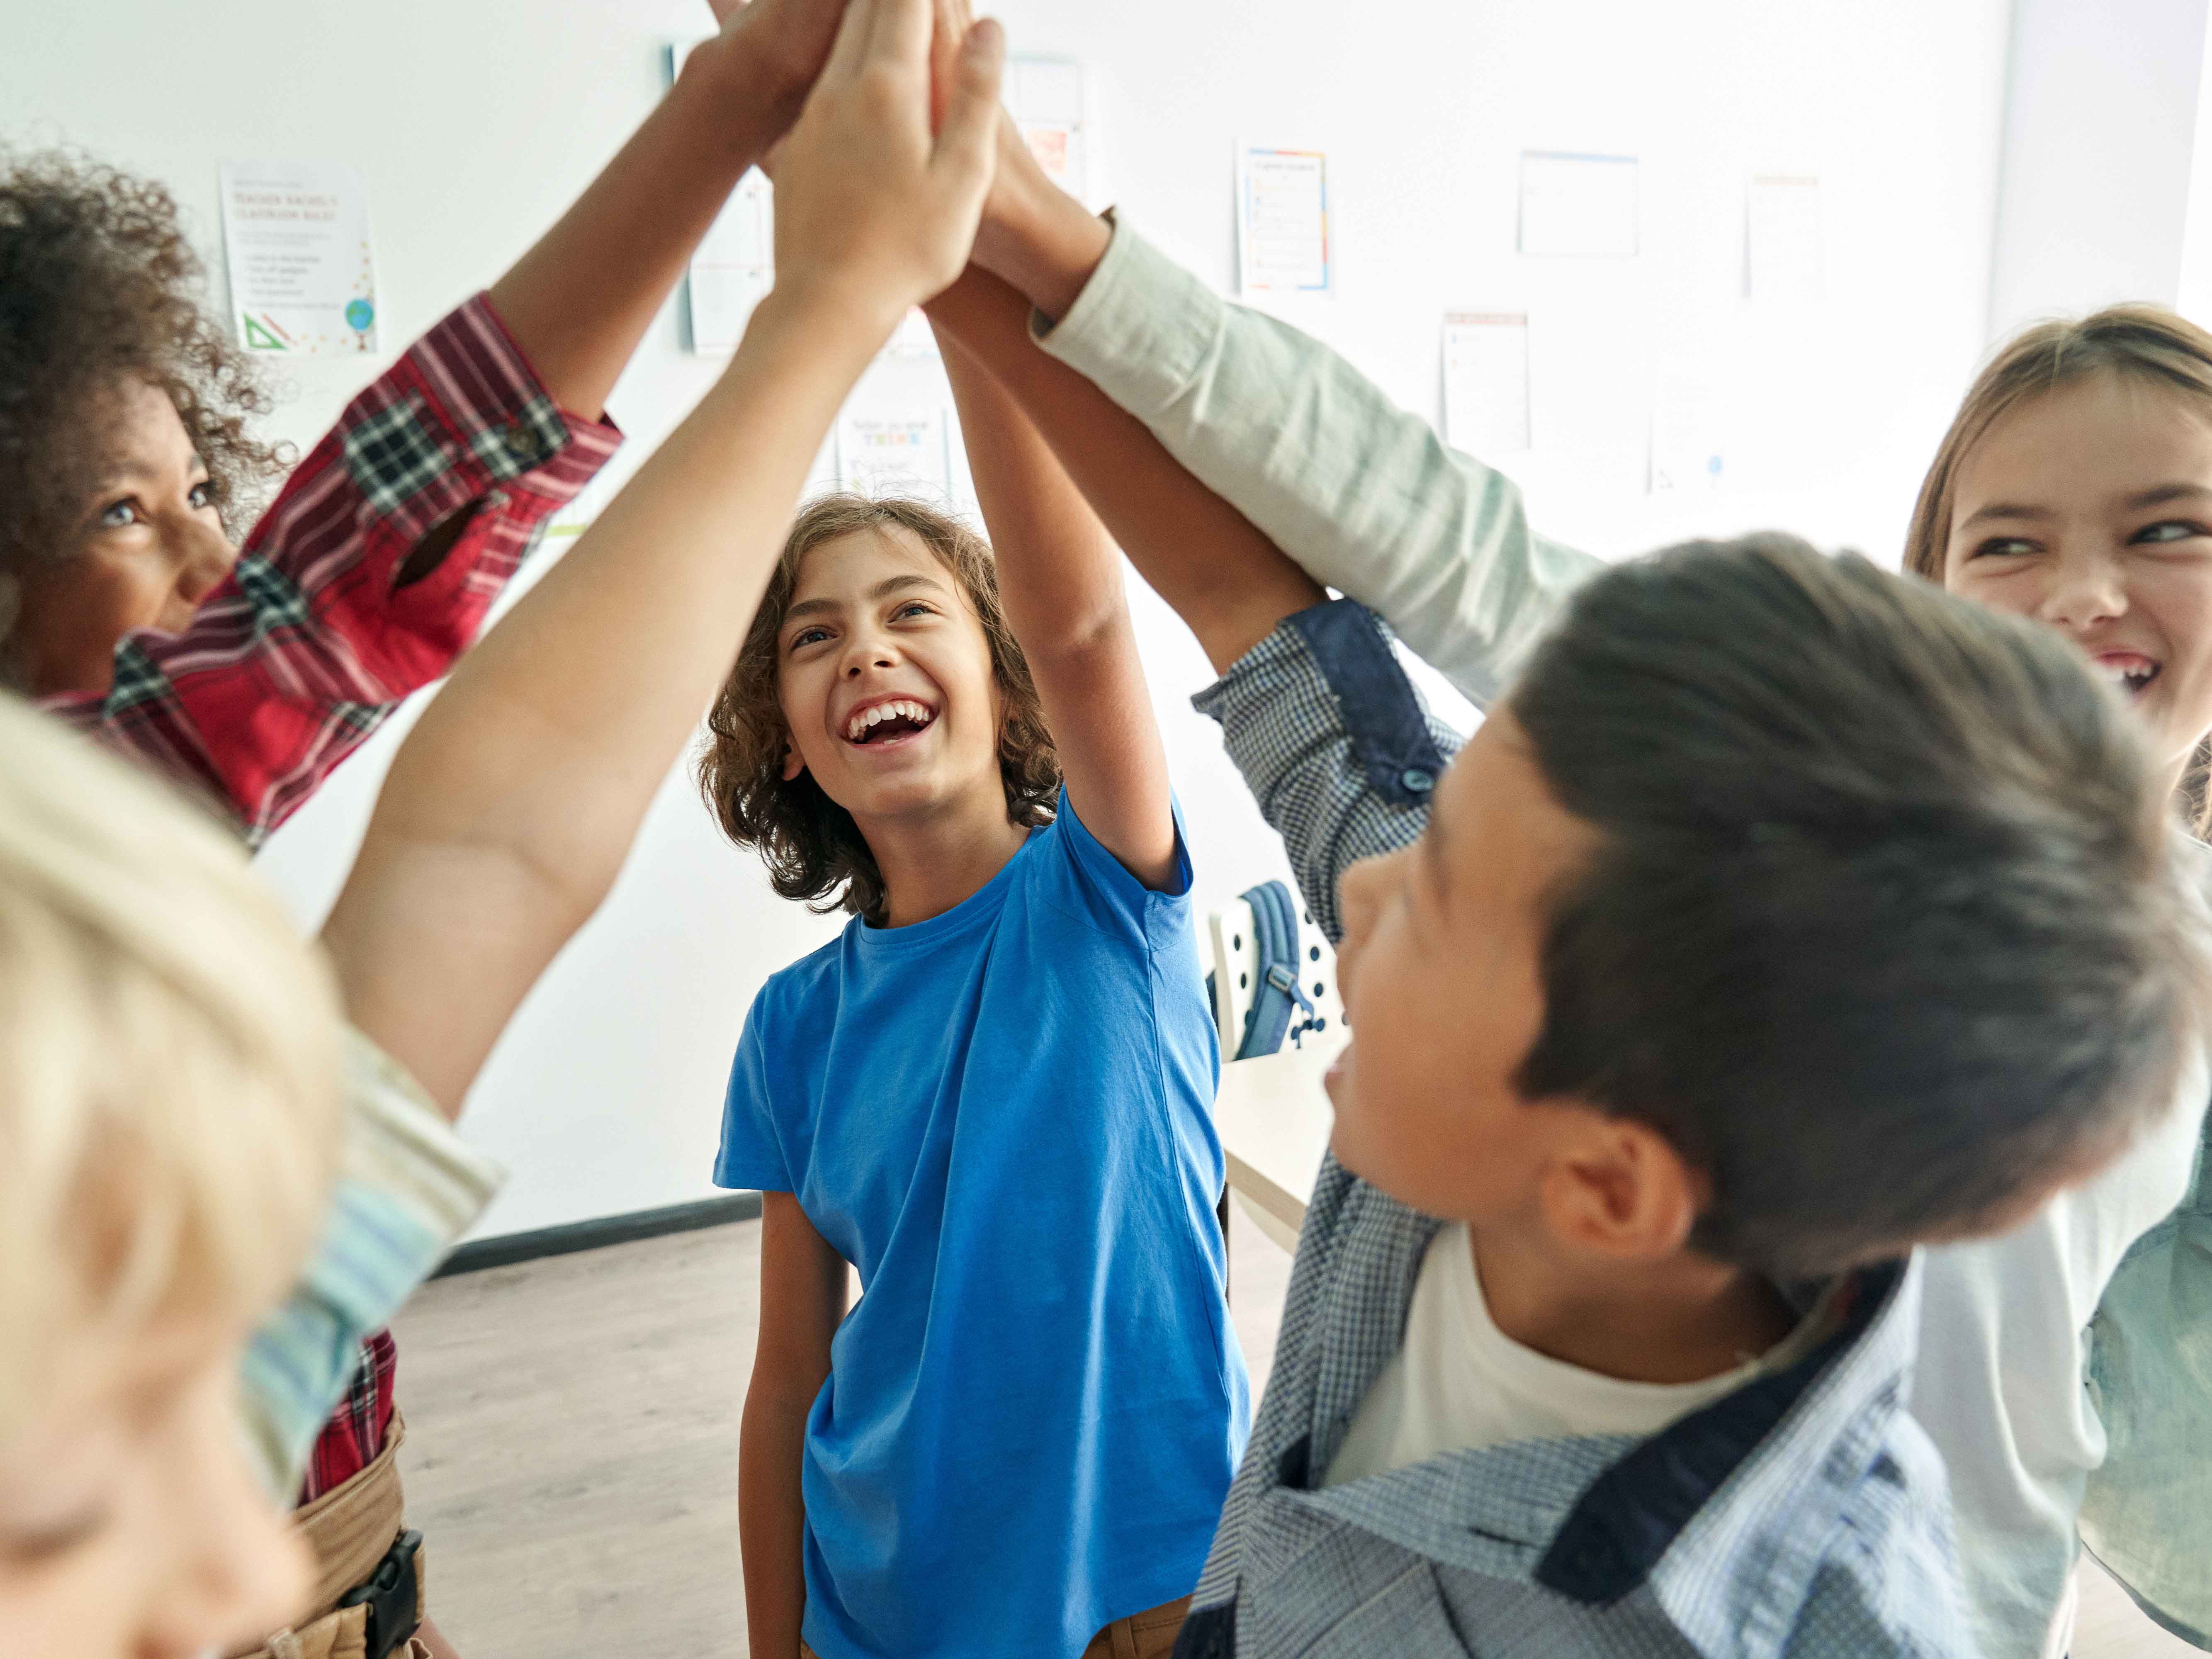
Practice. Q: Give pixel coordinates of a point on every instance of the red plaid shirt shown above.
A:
(313, 640)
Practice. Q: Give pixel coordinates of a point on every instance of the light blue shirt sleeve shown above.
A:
(408, 1188)
(1361, 493)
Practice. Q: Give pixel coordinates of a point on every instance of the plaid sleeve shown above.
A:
(315, 639)
(1335, 743)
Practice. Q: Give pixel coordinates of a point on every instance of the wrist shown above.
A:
(740, 69)
(1045, 248)
(848, 317)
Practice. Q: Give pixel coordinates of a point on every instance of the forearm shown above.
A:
(513, 803)
(1222, 576)
(579, 302)
(772, 1515)
(1363, 494)
(1059, 577)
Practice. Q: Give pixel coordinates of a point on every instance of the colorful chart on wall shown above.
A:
(302, 264)
(1045, 95)
(896, 452)
(1282, 221)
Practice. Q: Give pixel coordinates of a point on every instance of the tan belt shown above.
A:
(351, 1528)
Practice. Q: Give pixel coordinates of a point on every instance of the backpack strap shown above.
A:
(1275, 938)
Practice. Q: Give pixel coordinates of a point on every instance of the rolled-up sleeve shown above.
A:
(1334, 742)
(408, 1188)
(1363, 494)
(328, 622)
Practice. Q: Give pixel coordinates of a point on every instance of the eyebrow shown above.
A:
(2157, 495)
(881, 590)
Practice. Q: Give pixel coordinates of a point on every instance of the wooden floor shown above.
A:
(572, 1448)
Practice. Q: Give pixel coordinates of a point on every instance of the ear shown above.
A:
(1618, 1188)
(793, 762)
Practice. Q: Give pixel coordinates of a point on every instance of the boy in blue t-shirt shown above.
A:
(991, 1094)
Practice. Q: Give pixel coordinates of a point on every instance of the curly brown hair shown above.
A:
(813, 848)
(98, 286)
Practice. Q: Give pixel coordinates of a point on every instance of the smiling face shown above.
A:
(886, 682)
(131, 1525)
(2089, 509)
(147, 549)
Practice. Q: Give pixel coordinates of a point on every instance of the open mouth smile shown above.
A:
(2129, 671)
(888, 722)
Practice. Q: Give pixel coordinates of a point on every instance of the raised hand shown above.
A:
(789, 40)
(873, 208)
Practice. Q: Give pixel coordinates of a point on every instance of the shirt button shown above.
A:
(1418, 779)
(519, 439)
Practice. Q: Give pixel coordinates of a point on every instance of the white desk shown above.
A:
(1274, 1118)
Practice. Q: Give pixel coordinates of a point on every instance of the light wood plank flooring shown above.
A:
(572, 1448)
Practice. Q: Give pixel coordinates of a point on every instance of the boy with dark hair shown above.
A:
(1368, 500)
(1749, 944)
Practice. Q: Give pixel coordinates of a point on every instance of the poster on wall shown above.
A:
(904, 453)
(1689, 445)
(1045, 97)
(1782, 238)
(1579, 206)
(302, 267)
(1486, 381)
(734, 267)
(1282, 221)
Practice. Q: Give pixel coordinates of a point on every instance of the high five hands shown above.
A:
(876, 211)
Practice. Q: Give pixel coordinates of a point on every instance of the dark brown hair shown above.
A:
(813, 848)
(98, 286)
(1887, 927)
(2146, 343)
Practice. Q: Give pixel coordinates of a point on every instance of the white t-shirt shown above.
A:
(1457, 1382)
(2004, 1336)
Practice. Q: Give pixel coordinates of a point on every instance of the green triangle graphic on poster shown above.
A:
(259, 338)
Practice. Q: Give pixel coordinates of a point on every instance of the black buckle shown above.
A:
(393, 1596)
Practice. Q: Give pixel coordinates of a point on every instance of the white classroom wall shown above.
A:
(2100, 160)
(474, 122)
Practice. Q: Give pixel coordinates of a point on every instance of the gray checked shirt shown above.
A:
(1803, 1515)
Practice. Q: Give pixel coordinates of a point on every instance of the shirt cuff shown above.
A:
(1142, 328)
(408, 1188)
(464, 419)
(1331, 665)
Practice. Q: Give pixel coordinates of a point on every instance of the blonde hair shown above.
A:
(169, 1104)
(2145, 344)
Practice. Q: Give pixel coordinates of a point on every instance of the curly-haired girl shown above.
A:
(123, 403)
(991, 1094)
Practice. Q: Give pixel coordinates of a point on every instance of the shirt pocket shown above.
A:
(1401, 1612)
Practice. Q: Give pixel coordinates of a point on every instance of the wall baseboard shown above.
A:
(507, 1249)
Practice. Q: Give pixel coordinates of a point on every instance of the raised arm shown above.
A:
(579, 302)
(1222, 576)
(1363, 494)
(514, 803)
(1060, 578)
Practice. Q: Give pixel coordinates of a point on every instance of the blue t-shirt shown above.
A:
(1001, 1116)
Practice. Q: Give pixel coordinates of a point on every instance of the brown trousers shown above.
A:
(1140, 1636)
(350, 1528)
